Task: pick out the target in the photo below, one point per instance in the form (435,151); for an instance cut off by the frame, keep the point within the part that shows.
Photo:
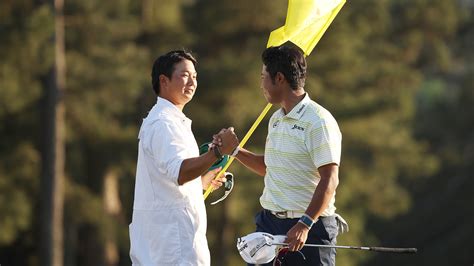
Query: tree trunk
(53,150)
(112,207)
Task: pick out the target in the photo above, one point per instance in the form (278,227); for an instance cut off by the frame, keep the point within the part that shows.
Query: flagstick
(241,145)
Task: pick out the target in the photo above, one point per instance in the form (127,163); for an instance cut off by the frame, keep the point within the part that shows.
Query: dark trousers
(323,232)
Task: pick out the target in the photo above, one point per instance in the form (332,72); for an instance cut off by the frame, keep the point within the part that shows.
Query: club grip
(394,250)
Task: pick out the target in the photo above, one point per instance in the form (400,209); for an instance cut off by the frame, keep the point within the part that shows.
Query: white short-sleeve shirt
(169,221)
(298,143)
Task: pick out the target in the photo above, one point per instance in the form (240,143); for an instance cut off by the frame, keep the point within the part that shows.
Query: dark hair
(165,65)
(287,60)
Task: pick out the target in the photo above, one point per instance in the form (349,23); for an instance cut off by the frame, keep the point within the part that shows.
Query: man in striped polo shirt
(300,164)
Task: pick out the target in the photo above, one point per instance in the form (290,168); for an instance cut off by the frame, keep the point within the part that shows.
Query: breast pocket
(164,244)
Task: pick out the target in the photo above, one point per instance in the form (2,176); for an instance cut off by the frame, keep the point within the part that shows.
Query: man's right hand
(254,162)
(226,140)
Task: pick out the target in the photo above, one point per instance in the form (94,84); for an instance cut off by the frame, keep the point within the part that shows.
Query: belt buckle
(282,214)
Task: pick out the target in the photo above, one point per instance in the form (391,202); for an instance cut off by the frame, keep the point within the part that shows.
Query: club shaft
(378,249)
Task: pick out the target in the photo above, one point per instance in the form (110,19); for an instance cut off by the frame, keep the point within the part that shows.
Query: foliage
(397,75)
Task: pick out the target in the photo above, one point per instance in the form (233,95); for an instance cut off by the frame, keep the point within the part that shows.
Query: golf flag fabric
(306,22)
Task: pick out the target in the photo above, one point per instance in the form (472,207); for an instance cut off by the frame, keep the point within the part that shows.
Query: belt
(341,223)
(287,214)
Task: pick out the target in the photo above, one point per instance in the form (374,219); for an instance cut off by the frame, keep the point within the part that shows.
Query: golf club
(377,249)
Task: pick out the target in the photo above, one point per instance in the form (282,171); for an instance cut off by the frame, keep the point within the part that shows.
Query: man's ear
(279,78)
(164,80)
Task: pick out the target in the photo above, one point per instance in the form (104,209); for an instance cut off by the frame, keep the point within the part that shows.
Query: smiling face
(180,88)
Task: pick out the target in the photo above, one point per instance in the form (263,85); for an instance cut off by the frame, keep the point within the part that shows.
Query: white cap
(257,248)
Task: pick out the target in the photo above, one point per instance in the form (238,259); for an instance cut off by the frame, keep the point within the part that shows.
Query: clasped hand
(226,140)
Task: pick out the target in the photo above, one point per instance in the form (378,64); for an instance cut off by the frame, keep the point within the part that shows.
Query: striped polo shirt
(297,144)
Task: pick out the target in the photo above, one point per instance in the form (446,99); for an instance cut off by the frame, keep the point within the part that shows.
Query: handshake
(225,143)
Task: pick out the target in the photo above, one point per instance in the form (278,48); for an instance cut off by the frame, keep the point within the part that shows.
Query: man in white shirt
(169,216)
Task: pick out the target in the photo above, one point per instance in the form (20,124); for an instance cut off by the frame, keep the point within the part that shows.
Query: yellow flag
(306,22)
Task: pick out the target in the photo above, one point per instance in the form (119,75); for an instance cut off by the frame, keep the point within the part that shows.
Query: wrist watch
(306,220)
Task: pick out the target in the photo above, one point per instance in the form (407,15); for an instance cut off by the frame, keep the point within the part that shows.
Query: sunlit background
(398,76)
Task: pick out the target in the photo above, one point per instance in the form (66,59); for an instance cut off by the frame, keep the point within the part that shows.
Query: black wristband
(217,152)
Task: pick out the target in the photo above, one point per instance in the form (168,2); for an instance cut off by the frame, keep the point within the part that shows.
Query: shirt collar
(167,106)
(298,109)
(163,106)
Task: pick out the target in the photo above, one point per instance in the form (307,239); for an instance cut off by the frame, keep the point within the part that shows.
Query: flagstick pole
(241,145)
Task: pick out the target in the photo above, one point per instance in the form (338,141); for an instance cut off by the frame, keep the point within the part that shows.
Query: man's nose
(192,82)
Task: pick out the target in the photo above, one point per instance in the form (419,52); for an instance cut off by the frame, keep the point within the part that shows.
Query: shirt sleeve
(324,143)
(168,149)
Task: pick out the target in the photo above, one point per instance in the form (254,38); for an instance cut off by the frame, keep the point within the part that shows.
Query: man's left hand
(296,237)
(208,179)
